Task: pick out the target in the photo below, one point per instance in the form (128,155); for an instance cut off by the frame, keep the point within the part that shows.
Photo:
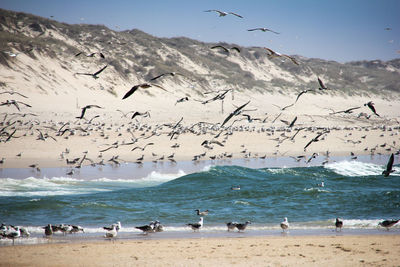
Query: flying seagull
(389,167)
(315,139)
(142,85)
(90,54)
(94,75)
(15,103)
(263,29)
(235,113)
(226,49)
(85,108)
(223,13)
(322,85)
(164,74)
(370,104)
(348,111)
(12,92)
(272,53)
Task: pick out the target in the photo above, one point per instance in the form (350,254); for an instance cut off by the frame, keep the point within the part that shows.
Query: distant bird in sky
(371,106)
(94,75)
(142,85)
(85,108)
(235,113)
(389,167)
(272,53)
(223,13)
(263,29)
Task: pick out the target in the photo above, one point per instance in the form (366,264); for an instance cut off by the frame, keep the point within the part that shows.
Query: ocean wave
(358,168)
(33,187)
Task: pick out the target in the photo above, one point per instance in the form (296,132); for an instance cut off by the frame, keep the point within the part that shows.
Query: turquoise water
(354,191)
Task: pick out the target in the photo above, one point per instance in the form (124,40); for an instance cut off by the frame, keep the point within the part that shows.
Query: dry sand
(365,250)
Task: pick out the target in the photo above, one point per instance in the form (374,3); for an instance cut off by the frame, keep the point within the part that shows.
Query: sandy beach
(365,250)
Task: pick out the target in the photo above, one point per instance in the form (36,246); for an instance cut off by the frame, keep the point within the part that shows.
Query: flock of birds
(13,232)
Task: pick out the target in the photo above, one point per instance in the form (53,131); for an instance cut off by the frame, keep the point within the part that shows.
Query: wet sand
(370,250)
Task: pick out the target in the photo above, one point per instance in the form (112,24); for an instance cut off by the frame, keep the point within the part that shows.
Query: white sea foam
(358,168)
(32,187)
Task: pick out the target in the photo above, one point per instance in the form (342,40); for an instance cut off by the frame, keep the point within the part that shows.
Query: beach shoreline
(354,250)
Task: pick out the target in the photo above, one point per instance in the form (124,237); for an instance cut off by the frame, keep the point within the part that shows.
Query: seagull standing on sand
(112,233)
(285,225)
(117,226)
(196,226)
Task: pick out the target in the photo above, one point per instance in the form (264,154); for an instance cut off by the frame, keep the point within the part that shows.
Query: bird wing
(228,118)
(220,46)
(82,113)
(131,91)
(255,29)
(292,123)
(237,15)
(159,76)
(93,106)
(321,84)
(390,164)
(78,54)
(159,86)
(235,48)
(291,58)
(99,71)
(273,53)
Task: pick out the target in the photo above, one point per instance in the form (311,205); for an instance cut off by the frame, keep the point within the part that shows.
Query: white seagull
(285,224)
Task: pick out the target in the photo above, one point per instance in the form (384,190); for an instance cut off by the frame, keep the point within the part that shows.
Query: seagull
(13,92)
(15,103)
(348,111)
(226,49)
(338,224)
(144,114)
(94,75)
(370,104)
(113,232)
(142,85)
(117,226)
(149,228)
(201,213)
(234,113)
(231,226)
(263,29)
(85,108)
(242,226)
(48,230)
(322,85)
(315,139)
(388,223)
(164,74)
(285,224)
(389,166)
(196,226)
(276,54)
(223,13)
(90,54)
(183,99)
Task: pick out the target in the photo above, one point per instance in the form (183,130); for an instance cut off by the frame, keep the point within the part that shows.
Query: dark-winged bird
(235,113)
(338,224)
(322,85)
(85,108)
(263,29)
(370,104)
(388,223)
(142,85)
(389,166)
(94,75)
(223,13)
